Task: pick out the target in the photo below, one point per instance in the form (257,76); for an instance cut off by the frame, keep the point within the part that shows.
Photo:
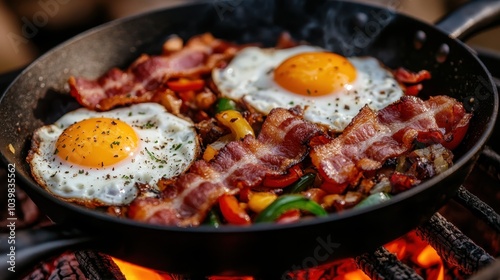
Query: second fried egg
(329,87)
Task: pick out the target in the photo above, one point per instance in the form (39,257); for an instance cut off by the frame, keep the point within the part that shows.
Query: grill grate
(98,266)
(382,264)
(478,208)
(454,246)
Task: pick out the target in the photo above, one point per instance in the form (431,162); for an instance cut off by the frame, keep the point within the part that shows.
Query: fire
(356,275)
(135,272)
(419,255)
(409,249)
(428,257)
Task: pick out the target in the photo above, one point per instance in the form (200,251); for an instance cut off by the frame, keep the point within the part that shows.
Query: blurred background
(28,28)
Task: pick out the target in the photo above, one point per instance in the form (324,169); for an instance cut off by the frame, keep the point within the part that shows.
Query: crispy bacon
(411,80)
(405,76)
(281,144)
(148,75)
(372,137)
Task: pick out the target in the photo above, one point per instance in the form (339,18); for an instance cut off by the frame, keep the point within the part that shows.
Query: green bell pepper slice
(289,202)
(373,199)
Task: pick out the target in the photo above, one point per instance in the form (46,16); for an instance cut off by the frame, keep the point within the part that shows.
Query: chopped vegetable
(289,202)
(458,134)
(303,183)
(281,181)
(173,44)
(224,104)
(187,96)
(373,199)
(289,216)
(413,90)
(401,182)
(186,84)
(260,200)
(213,149)
(213,219)
(232,211)
(383,186)
(210,153)
(236,123)
(205,99)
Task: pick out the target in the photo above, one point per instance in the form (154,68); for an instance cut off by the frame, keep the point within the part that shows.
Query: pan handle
(470,18)
(21,251)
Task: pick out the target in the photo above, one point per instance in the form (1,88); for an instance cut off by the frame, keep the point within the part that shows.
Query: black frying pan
(39,96)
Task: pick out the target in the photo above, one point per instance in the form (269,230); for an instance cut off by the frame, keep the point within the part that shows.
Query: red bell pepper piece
(406,76)
(289,216)
(458,134)
(333,188)
(281,181)
(185,85)
(413,90)
(187,96)
(232,211)
(245,194)
(402,182)
(456,124)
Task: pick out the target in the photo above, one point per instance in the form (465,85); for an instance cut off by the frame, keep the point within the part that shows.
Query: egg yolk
(315,73)
(97,142)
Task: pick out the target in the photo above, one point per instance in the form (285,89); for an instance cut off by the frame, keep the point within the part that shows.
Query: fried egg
(329,87)
(96,158)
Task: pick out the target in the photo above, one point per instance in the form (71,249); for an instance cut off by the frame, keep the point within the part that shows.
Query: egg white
(168,145)
(250,77)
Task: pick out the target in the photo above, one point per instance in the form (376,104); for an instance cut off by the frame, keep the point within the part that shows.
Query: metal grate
(454,246)
(382,264)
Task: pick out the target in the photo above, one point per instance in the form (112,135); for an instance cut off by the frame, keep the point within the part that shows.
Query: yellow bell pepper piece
(213,149)
(210,153)
(236,123)
(260,200)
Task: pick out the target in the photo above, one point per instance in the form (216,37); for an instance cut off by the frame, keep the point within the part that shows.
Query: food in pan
(280,139)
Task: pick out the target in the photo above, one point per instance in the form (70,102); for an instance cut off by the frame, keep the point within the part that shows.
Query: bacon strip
(405,76)
(411,81)
(148,74)
(281,144)
(372,137)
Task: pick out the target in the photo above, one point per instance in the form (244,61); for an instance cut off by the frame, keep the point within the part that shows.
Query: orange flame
(428,257)
(135,272)
(357,274)
(413,250)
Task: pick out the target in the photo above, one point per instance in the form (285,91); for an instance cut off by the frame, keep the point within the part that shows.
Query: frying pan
(39,96)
